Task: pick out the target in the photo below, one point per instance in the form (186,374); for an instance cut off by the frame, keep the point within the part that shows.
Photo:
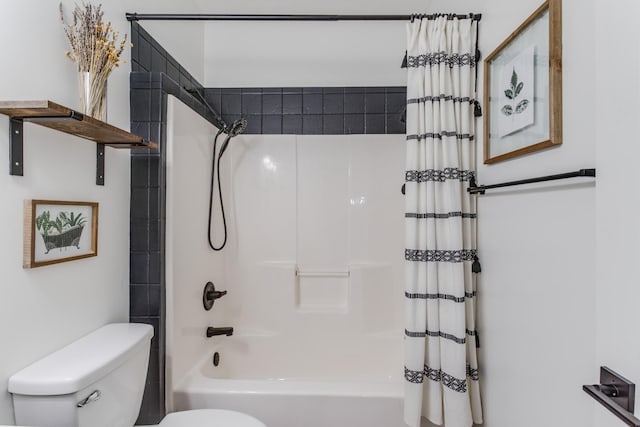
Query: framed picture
(523,88)
(57,231)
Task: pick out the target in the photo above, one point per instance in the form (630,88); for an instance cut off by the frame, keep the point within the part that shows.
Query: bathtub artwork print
(59,231)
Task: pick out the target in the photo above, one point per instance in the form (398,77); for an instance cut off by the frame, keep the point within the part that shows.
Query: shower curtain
(441,368)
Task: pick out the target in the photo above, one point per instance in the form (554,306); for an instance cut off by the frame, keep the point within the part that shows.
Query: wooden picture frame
(59,231)
(523,88)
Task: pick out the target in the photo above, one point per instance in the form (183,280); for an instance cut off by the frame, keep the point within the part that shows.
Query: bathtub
(311,388)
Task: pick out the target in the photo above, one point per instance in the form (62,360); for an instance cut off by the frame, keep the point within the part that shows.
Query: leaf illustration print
(511,94)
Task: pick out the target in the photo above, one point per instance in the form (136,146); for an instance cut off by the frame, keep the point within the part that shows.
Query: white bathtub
(328,389)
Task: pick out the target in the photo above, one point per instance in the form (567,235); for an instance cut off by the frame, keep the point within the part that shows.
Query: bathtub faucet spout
(211,331)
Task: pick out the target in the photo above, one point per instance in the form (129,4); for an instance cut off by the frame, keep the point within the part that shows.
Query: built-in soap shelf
(63,119)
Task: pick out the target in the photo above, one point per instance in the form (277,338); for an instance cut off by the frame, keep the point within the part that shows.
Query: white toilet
(98,381)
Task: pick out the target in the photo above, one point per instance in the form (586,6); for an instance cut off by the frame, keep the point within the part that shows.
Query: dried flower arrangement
(96,50)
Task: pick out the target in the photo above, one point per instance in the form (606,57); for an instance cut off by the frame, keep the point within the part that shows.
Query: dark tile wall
(155,74)
(313,110)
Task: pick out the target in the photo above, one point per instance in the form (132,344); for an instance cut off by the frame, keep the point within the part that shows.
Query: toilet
(98,381)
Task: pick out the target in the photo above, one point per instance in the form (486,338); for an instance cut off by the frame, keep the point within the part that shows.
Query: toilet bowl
(98,381)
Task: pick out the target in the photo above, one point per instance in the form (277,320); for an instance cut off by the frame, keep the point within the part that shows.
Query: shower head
(235,129)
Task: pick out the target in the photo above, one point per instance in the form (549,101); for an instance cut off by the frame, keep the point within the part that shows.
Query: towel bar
(615,393)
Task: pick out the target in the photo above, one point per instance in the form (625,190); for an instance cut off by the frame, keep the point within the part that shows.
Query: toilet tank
(96,381)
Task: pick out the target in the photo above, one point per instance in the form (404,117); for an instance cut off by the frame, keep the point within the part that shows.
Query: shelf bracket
(16,151)
(99,164)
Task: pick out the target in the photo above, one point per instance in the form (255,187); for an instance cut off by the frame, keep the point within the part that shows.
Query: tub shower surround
(312,294)
(277,111)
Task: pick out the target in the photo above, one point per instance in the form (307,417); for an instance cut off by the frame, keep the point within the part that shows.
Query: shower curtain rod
(233,17)
(480,189)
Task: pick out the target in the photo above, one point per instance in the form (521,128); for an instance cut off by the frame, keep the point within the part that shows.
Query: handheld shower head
(235,129)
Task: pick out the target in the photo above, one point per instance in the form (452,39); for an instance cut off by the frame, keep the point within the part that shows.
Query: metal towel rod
(616,393)
(480,189)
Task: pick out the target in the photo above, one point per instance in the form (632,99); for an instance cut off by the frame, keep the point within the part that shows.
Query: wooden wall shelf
(63,119)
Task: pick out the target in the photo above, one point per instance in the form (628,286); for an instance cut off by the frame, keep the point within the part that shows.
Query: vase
(93,94)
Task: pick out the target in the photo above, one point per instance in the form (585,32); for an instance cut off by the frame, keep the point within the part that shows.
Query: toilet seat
(209,418)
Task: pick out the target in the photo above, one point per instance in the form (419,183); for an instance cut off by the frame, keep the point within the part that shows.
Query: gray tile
(155,132)
(292,103)
(394,124)
(374,103)
(139,171)
(158,61)
(312,124)
(214,98)
(139,235)
(292,124)
(173,70)
(231,103)
(155,272)
(353,124)
(140,105)
(154,203)
(144,53)
(155,299)
(272,124)
(251,103)
(374,123)
(272,103)
(333,124)
(138,300)
(154,171)
(139,203)
(254,124)
(142,130)
(312,103)
(156,105)
(154,235)
(139,267)
(354,103)
(396,103)
(139,80)
(333,103)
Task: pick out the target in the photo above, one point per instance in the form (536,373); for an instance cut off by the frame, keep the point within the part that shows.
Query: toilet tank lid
(82,362)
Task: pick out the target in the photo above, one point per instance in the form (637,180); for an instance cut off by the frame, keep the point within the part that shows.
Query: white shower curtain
(441,368)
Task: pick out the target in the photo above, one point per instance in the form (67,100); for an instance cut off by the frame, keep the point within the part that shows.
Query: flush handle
(95,395)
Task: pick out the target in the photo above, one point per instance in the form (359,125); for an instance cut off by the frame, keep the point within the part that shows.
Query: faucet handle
(216,294)
(209,295)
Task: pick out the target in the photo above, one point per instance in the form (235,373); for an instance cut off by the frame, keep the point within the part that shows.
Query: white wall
(346,53)
(537,247)
(618,233)
(184,40)
(43,309)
